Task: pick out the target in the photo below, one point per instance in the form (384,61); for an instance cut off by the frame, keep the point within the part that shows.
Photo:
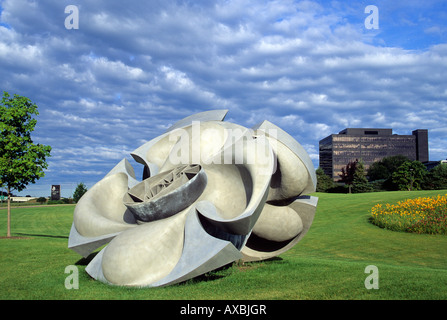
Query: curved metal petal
(259,248)
(99,215)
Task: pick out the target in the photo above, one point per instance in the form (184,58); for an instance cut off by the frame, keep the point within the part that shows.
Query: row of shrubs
(43,200)
(389,174)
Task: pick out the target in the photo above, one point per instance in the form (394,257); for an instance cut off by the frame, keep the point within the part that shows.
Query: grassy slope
(328,263)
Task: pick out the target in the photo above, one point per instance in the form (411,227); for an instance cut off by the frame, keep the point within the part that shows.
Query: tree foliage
(79,192)
(41,200)
(324,182)
(409,175)
(347,173)
(21,161)
(383,170)
(436,179)
(354,176)
(360,182)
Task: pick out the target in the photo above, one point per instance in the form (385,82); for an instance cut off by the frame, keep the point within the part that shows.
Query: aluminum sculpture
(212,192)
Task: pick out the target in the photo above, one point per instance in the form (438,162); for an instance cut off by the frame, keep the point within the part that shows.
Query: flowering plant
(420,215)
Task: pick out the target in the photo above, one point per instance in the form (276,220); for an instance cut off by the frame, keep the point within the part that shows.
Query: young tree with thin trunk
(21,161)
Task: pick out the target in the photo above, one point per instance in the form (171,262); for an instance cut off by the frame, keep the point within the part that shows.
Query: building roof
(367,131)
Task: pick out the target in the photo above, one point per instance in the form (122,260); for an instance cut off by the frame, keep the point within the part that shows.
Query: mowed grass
(328,264)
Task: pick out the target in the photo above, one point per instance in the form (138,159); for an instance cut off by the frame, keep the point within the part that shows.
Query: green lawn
(329,263)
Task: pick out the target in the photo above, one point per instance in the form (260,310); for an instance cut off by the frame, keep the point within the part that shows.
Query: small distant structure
(22,199)
(55,192)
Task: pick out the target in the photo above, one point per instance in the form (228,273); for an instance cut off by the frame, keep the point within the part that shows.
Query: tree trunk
(8,234)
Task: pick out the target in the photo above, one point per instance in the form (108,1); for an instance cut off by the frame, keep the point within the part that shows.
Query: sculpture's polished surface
(212,192)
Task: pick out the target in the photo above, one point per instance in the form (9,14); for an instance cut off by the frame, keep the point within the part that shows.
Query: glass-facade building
(369,145)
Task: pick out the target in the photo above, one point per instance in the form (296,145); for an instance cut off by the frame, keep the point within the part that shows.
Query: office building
(369,145)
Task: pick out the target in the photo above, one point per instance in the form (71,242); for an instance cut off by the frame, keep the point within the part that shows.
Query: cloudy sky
(133,68)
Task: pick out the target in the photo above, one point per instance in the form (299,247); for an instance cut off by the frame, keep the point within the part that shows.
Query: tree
(360,182)
(439,174)
(409,175)
(437,177)
(383,170)
(347,173)
(41,200)
(324,182)
(21,161)
(79,192)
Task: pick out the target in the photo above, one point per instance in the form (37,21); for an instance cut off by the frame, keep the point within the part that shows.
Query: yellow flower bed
(420,215)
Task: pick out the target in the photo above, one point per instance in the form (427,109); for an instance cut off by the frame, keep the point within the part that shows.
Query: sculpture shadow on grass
(42,235)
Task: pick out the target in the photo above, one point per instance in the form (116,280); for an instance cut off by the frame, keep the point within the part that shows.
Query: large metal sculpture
(213,192)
